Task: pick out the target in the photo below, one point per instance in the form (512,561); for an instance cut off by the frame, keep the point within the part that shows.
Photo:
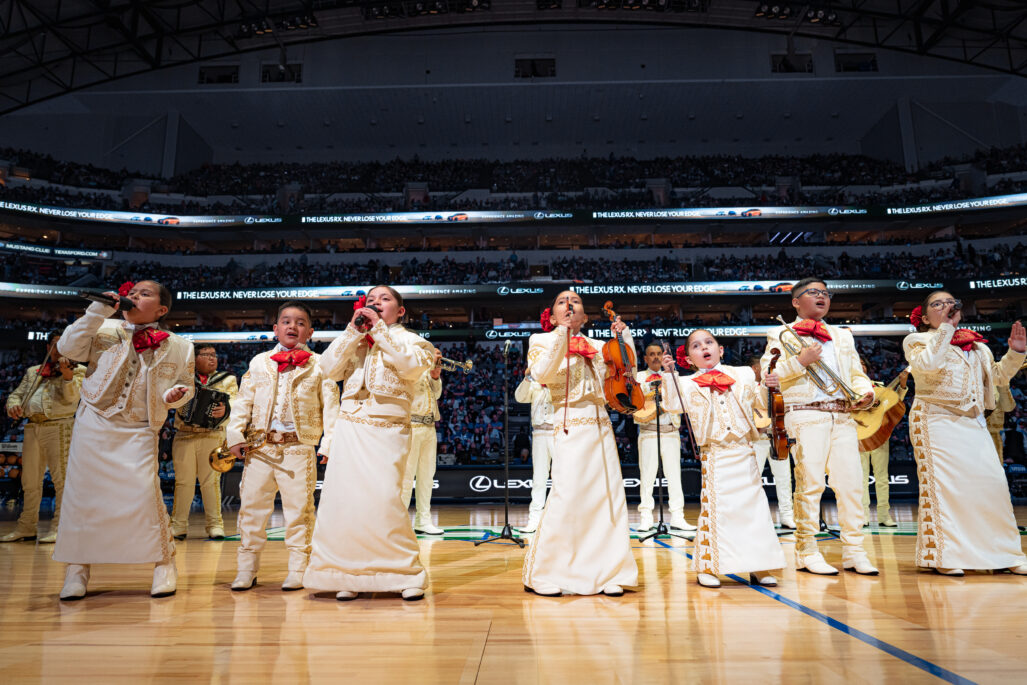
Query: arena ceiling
(52,47)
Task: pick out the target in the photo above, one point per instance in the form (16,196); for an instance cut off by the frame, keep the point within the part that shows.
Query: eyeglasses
(938,304)
(207,354)
(817,292)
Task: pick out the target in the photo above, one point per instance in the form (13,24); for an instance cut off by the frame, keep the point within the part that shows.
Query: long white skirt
(965,515)
(736,533)
(582,543)
(113,511)
(363,541)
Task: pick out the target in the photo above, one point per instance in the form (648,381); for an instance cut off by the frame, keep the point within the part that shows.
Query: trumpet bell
(221,459)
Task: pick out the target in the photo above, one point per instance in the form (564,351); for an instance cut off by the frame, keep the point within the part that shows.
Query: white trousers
(541,460)
(190,453)
(260,482)
(420,461)
(45,447)
(826,445)
(782,472)
(879,460)
(669,444)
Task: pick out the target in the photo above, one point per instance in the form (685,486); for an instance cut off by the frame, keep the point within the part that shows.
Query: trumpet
(222,459)
(820,374)
(452,365)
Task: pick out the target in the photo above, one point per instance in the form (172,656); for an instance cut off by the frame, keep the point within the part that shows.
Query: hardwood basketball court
(477,625)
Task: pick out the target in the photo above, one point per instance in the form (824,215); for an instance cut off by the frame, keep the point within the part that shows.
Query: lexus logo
(248,220)
(503,290)
(481,484)
(833,211)
(491,334)
(902,285)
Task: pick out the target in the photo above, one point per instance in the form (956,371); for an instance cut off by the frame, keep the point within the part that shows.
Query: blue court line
(911,659)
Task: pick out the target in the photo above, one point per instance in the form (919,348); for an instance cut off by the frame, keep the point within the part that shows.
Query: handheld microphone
(125,303)
(361,320)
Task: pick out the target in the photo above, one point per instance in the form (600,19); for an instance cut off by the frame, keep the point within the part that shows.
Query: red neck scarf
(715,380)
(287,358)
(369,340)
(816,329)
(148,339)
(964,338)
(580,346)
(203,378)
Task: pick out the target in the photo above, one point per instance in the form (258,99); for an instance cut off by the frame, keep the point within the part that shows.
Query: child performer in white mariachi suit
(781,469)
(50,410)
(820,422)
(113,510)
(530,391)
(284,396)
(582,544)
(966,519)
(652,443)
(363,541)
(422,460)
(736,533)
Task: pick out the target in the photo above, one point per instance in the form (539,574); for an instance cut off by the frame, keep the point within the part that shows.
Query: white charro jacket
(427,391)
(113,365)
(530,391)
(381,378)
(946,375)
(547,363)
(796,387)
(58,397)
(668,416)
(314,399)
(709,410)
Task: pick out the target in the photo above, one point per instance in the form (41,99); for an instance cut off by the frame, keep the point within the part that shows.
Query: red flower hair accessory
(681,356)
(360,303)
(547,325)
(916,317)
(125,288)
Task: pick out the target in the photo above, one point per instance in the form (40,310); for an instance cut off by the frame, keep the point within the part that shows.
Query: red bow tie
(817,329)
(717,380)
(203,379)
(582,347)
(148,339)
(49,370)
(287,358)
(965,338)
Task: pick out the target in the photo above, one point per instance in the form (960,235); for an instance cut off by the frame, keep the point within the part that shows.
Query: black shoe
(180,537)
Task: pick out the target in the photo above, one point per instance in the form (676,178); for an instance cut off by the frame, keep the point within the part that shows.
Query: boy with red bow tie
(113,511)
(47,396)
(736,533)
(286,398)
(821,424)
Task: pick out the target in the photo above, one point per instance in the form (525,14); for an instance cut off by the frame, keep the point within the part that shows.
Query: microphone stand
(507,533)
(661,529)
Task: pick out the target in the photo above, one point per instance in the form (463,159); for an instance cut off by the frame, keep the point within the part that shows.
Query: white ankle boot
(75,579)
(708,580)
(165,579)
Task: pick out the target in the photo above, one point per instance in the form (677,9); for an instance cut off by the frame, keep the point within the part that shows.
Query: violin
(776,408)
(623,391)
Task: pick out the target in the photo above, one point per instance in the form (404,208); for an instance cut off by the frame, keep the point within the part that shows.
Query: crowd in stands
(577,183)
(960,261)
